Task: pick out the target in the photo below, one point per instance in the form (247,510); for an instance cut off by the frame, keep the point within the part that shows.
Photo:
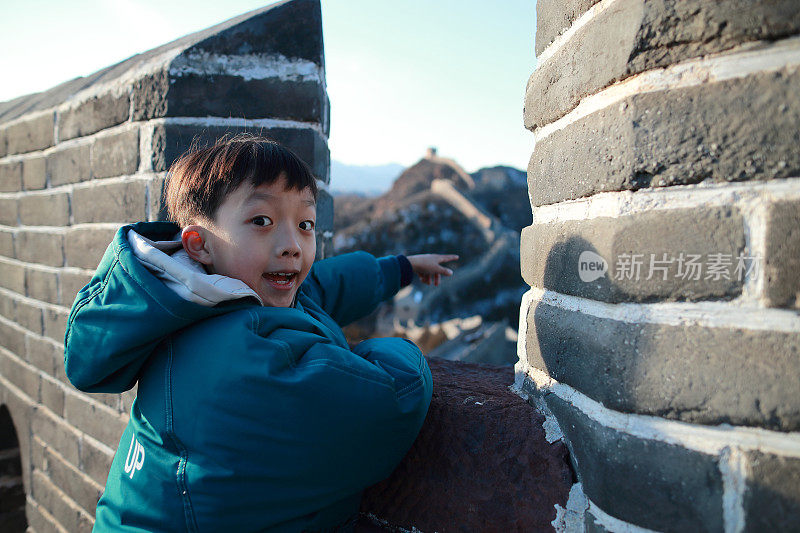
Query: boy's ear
(194,242)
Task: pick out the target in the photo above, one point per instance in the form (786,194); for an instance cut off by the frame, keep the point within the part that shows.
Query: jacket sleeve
(351,286)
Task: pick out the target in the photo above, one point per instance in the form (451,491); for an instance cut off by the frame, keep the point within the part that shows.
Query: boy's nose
(289,245)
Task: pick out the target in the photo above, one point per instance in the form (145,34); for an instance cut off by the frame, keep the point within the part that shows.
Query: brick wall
(78,161)
(662,328)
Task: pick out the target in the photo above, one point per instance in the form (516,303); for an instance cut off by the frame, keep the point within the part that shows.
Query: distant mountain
(370,180)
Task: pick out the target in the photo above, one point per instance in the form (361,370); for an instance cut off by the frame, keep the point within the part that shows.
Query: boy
(252,413)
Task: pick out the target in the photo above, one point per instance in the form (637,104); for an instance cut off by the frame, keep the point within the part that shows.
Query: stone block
(42,285)
(56,433)
(71,284)
(553,17)
(149,95)
(51,394)
(29,317)
(8,307)
(772,493)
(709,133)
(307,143)
(637,35)
(93,419)
(34,173)
(43,355)
(80,488)
(782,261)
(93,115)
(157,208)
(47,209)
(95,462)
(219,95)
(9,211)
(55,324)
(10,176)
(7,243)
(12,277)
(12,339)
(84,247)
(652,484)
(697,374)
(70,165)
(116,155)
(23,376)
(39,520)
(649,256)
(32,134)
(110,202)
(40,247)
(58,504)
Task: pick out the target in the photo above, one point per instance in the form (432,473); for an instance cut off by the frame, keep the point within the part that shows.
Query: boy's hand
(428,267)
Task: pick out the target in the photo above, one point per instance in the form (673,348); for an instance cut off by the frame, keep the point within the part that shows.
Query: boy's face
(265,237)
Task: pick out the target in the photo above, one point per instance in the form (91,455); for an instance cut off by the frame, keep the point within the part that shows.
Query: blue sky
(401,76)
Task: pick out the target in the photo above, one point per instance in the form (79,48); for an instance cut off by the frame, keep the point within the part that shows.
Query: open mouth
(281,280)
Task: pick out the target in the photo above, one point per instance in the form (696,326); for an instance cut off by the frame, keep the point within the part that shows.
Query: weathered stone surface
(158,209)
(637,35)
(648,255)
(42,285)
(17,372)
(31,134)
(9,211)
(70,165)
(43,354)
(13,339)
(772,493)
(12,277)
(308,144)
(93,115)
(47,209)
(715,132)
(84,247)
(65,512)
(642,481)
(42,248)
(149,95)
(7,243)
(65,476)
(698,374)
(116,155)
(782,261)
(592,525)
(29,317)
(233,96)
(553,17)
(71,284)
(95,462)
(55,324)
(10,176)
(480,463)
(89,417)
(110,202)
(51,394)
(34,173)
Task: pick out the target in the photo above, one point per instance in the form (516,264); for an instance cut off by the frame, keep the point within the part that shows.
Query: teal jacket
(247,418)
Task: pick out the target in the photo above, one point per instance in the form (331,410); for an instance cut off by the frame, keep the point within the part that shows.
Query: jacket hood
(144,289)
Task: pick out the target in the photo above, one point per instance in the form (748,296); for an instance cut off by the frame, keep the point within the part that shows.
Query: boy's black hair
(200,180)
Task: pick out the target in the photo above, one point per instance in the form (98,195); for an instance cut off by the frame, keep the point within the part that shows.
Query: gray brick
(71,284)
(3,142)
(551,254)
(95,462)
(44,209)
(158,209)
(9,210)
(116,155)
(55,324)
(12,277)
(8,307)
(43,354)
(51,395)
(738,376)
(772,493)
(21,375)
(712,133)
(110,202)
(12,339)
(32,134)
(195,95)
(64,511)
(782,261)
(70,165)
(57,434)
(309,145)
(7,243)
(29,317)
(80,488)
(553,17)
(149,96)
(10,176)
(93,115)
(39,520)
(42,248)
(637,35)
(34,173)
(90,418)
(84,247)
(649,483)
(42,285)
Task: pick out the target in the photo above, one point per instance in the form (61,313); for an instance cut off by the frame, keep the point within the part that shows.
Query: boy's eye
(307,225)
(261,220)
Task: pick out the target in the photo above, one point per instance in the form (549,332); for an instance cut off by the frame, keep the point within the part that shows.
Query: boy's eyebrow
(266,196)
